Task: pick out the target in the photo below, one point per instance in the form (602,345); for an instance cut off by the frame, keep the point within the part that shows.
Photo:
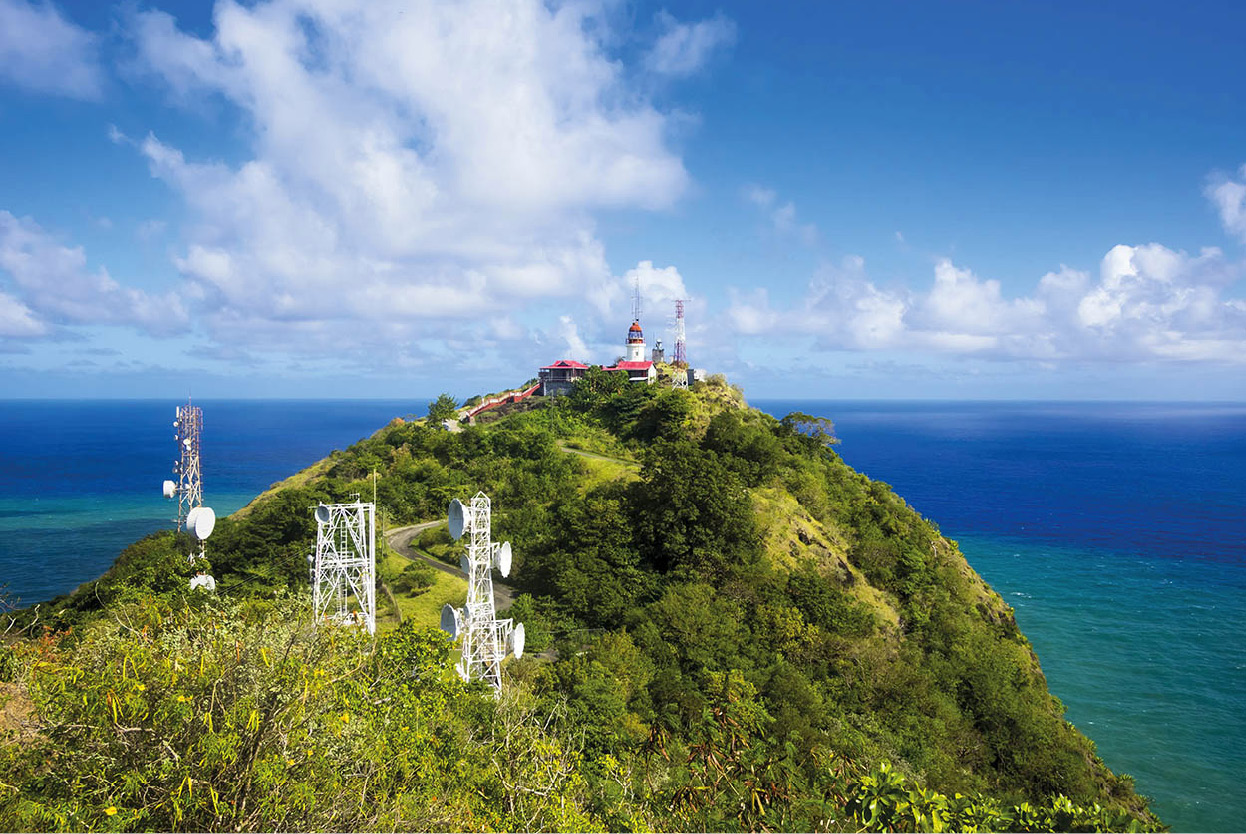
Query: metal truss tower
(189,487)
(680,361)
(486,639)
(345,564)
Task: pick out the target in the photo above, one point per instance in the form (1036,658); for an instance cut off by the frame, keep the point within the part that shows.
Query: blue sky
(318,198)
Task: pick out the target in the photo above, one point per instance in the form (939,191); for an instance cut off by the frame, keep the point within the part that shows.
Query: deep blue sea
(1117,531)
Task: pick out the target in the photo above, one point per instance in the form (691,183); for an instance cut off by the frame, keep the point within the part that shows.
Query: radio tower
(486,639)
(189,486)
(681,347)
(345,563)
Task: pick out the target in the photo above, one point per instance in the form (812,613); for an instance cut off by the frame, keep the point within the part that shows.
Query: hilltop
(737,631)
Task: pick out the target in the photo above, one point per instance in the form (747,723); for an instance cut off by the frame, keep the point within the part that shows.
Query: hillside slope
(748,635)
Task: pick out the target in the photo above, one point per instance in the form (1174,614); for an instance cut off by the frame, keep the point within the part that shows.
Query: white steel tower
(486,639)
(187,425)
(345,564)
(680,379)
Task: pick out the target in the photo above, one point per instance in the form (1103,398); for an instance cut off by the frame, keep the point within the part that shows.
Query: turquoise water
(1146,653)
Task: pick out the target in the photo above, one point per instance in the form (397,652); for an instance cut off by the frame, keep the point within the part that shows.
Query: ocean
(1116,530)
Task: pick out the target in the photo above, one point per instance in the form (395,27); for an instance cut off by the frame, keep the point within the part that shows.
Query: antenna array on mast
(680,361)
(187,428)
(636,298)
(188,488)
(486,639)
(344,565)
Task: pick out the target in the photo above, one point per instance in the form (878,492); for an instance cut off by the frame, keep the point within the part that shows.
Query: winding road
(400,539)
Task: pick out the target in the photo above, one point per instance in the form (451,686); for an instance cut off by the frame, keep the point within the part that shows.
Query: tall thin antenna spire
(636,298)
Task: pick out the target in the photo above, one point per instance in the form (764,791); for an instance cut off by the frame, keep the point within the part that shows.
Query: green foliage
(443,408)
(414,577)
(690,678)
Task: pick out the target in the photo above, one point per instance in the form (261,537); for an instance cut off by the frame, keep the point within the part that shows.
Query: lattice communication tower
(344,565)
(486,639)
(187,428)
(680,362)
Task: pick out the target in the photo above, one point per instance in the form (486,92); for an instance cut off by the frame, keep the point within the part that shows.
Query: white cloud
(1229,197)
(17,320)
(43,52)
(54,287)
(684,48)
(411,165)
(570,333)
(781,215)
(1149,303)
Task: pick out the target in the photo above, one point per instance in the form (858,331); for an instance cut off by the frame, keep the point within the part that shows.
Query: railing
(493,402)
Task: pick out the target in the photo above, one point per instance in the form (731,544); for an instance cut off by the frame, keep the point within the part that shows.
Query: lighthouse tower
(635,336)
(635,343)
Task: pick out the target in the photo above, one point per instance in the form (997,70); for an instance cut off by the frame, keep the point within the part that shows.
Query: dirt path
(400,539)
(595,456)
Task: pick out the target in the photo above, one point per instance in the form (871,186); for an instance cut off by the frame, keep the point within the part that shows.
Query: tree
(443,408)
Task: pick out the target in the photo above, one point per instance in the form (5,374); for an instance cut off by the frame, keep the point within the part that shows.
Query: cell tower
(486,639)
(681,347)
(344,565)
(187,427)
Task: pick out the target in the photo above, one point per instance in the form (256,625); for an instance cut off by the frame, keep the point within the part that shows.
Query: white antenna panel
(458,520)
(518,638)
(170,489)
(204,523)
(504,559)
(451,620)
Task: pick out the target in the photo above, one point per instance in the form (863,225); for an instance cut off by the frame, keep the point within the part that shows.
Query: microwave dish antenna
(518,638)
(169,489)
(205,523)
(486,640)
(344,565)
(503,560)
(457,519)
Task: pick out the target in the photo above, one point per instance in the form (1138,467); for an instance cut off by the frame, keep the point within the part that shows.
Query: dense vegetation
(744,634)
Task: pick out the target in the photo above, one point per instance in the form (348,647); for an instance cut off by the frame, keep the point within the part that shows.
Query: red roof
(566,363)
(631,366)
(635,327)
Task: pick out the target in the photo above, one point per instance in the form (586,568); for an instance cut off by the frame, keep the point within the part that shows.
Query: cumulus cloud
(684,48)
(54,287)
(781,215)
(1229,197)
(42,52)
(410,166)
(1148,302)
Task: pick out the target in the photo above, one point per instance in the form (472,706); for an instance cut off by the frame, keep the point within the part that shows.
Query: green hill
(737,632)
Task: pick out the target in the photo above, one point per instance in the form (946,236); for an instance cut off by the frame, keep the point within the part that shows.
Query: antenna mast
(636,298)
(681,347)
(345,564)
(486,639)
(188,426)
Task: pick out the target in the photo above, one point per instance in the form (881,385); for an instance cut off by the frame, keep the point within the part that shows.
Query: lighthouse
(635,343)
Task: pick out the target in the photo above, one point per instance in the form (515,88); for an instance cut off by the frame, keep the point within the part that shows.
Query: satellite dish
(450,620)
(190,517)
(322,514)
(170,489)
(465,565)
(205,522)
(458,519)
(186,443)
(518,638)
(504,558)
